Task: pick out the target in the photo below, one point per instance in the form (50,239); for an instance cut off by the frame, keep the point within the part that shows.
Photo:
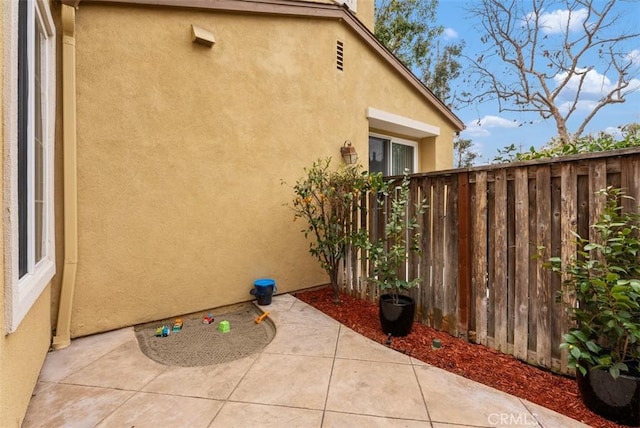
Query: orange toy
(261,317)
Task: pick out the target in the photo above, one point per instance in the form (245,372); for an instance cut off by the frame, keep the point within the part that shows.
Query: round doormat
(202,344)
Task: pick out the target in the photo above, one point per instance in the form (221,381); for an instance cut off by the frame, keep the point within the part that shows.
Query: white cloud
(595,85)
(450,33)
(634,85)
(475,131)
(634,56)
(557,21)
(480,127)
(613,131)
(496,122)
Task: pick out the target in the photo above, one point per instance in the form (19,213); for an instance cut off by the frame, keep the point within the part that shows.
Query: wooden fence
(485,236)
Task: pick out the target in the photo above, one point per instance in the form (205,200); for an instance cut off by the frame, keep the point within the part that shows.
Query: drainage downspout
(62,339)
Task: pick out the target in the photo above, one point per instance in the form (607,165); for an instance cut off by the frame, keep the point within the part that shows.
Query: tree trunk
(334,284)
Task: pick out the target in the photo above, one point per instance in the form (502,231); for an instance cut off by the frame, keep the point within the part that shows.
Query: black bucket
(264,289)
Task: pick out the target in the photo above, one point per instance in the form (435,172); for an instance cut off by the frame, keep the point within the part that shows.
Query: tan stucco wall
(21,353)
(182,150)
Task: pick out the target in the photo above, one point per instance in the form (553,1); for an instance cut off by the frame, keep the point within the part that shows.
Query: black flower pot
(615,399)
(397,318)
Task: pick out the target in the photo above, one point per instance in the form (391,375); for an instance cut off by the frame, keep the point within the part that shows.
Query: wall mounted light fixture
(348,152)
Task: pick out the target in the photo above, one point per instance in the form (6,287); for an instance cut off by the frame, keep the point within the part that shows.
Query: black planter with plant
(396,314)
(388,256)
(604,344)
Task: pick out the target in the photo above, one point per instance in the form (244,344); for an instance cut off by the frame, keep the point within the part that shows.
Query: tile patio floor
(315,373)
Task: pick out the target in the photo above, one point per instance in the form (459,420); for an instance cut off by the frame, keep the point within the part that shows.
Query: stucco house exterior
(145,147)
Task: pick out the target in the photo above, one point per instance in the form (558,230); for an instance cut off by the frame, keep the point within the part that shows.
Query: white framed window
(28,162)
(392,155)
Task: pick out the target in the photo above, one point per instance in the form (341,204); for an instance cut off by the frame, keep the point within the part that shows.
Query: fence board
(544,298)
(499,255)
(438,250)
(522,260)
(451,258)
(597,181)
(464,255)
(426,294)
(479,266)
(569,220)
(555,306)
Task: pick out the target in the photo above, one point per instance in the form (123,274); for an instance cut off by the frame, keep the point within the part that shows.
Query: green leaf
(593,347)
(575,351)
(581,336)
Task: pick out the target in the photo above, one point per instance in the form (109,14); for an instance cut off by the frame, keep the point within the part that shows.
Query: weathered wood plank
(479,265)
(511,260)
(533,268)
(413,262)
(630,182)
(451,258)
(597,182)
(521,304)
(543,239)
(438,250)
(499,258)
(569,224)
(464,255)
(555,306)
(426,295)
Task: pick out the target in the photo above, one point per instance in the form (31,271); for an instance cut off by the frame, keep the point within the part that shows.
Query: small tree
(389,253)
(326,200)
(604,279)
(406,28)
(464,153)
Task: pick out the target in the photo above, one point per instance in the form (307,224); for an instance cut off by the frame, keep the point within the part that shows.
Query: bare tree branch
(535,63)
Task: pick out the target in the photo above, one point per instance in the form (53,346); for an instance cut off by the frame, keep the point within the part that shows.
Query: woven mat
(200,344)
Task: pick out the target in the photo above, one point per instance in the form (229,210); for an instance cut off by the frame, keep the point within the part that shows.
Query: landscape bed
(473,361)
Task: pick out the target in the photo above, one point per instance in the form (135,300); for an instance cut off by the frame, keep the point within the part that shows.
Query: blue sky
(491,129)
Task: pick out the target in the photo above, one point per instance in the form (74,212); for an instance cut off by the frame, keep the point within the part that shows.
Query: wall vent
(340,55)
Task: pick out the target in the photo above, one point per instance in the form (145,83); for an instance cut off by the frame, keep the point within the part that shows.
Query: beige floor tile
(304,314)
(82,352)
(243,415)
(126,367)
(286,380)
(215,381)
(341,420)
(457,400)
(281,302)
(377,389)
(354,346)
(302,339)
(156,410)
(59,405)
(549,418)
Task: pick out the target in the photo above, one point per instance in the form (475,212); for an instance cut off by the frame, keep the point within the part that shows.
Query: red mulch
(476,362)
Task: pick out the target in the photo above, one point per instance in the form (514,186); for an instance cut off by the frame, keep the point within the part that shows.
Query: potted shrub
(604,344)
(388,256)
(326,199)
